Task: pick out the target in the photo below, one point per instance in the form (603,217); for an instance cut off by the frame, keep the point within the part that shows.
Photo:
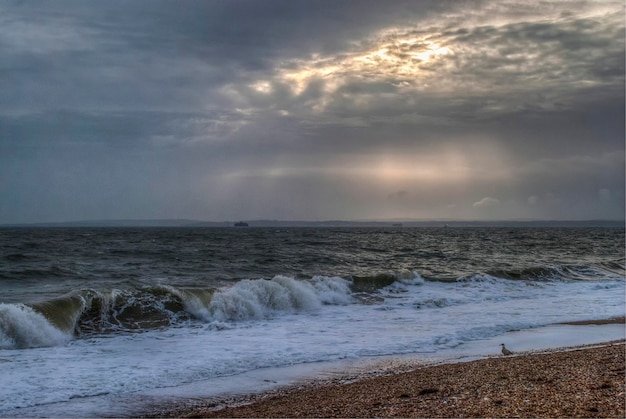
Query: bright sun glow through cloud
(400,61)
(433,60)
(288,109)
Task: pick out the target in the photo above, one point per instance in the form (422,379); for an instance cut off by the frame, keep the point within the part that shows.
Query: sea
(89,316)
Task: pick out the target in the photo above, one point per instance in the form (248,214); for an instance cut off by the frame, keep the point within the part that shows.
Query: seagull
(505,351)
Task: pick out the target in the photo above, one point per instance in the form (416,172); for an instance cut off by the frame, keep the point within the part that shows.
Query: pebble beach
(585,381)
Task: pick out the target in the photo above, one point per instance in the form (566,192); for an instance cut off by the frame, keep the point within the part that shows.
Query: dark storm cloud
(495,80)
(163,49)
(286,109)
(485,72)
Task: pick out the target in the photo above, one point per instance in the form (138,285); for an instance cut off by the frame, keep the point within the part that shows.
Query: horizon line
(181,222)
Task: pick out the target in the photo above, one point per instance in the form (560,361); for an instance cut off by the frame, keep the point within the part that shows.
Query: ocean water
(87,312)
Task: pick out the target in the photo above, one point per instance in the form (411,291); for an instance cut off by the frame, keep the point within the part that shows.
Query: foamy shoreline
(325,393)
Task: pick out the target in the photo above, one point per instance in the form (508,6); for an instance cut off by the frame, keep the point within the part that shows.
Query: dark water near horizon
(156,266)
(62,258)
(114,310)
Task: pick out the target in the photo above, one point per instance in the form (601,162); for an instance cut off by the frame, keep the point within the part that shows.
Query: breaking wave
(257,299)
(23,327)
(562,272)
(90,312)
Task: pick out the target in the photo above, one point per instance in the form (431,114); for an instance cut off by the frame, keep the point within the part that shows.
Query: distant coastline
(321,224)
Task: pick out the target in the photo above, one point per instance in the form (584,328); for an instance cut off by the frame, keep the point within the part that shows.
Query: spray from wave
(22,327)
(91,312)
(88,312)
(258,299)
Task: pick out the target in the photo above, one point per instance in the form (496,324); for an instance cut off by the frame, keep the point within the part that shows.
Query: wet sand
(614,320)
(586,381)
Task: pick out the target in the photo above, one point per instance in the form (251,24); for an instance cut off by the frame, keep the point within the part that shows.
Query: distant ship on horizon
(241,224)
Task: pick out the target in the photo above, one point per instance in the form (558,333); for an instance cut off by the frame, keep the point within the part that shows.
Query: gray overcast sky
(311,110)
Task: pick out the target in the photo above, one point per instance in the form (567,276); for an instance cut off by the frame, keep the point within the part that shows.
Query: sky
(311,110)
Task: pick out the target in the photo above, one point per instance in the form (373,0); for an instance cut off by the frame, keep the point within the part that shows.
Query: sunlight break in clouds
(298,110)
(398,61)
(504,50)
(472,63)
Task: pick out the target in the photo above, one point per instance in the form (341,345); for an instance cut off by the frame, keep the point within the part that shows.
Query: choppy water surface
(111,311)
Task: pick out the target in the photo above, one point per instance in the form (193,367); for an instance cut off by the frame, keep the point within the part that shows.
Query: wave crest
(260,298)
(22,327)
(88,312)
(562,272)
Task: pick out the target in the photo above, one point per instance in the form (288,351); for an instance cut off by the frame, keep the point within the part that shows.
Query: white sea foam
(259,299)
(23,327)
(410,277)
(332,290)
(284,321)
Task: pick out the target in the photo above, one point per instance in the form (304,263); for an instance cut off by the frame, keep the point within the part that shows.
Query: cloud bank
(294,110)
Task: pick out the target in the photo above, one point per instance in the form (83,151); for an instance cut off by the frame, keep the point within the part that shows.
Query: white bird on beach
(505,351)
